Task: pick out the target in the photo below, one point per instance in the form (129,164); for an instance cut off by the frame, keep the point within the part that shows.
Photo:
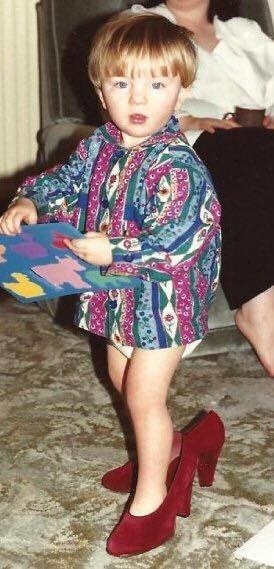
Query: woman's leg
(148,378)
(255,319)
(242,167)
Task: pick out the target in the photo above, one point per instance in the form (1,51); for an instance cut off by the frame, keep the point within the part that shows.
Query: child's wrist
(21,199)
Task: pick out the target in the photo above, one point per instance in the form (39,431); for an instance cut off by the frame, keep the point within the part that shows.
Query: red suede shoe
(137,534)
(123,479)
(205,439)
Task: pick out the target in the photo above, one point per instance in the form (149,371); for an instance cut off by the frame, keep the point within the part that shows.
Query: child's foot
(147,505)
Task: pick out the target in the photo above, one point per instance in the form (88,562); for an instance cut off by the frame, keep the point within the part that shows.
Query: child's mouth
(137,118)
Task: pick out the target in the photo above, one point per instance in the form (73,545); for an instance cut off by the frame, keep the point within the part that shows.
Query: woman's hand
(93,248)
(23,210)
(206,123)
(269,122)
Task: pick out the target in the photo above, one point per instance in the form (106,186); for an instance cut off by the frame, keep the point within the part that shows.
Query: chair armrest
(58,140)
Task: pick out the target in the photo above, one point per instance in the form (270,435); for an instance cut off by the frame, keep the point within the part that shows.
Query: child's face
(140,105)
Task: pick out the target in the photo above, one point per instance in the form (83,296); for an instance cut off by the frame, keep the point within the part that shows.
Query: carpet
(61,430)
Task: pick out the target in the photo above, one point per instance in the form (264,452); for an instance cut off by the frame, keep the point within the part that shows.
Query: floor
(61,430)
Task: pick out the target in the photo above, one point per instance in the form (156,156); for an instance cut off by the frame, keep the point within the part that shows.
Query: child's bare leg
(148,378)
(117,367)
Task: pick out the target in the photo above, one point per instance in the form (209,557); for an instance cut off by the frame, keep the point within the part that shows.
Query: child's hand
(93,248)
(11,221)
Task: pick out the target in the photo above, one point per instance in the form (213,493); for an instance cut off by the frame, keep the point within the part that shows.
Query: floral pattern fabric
(157,205)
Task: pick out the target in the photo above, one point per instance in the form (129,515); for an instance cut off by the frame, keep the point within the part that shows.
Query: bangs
(143,44)
(141,64)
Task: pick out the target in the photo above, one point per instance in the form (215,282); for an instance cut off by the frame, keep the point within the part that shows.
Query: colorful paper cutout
(36,265)
(58,240)
(29,247)
(63,271)
(24,286)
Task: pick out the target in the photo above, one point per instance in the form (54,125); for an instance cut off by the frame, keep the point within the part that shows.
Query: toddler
(146,205)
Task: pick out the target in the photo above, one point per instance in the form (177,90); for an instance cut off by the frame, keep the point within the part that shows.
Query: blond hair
(130,44)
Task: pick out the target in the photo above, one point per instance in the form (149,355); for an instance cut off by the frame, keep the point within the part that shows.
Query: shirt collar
(112,134)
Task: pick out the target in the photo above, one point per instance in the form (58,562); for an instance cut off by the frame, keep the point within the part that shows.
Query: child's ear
(183,95)
(101,97)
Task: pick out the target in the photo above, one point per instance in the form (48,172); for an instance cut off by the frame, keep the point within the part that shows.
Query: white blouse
(239,70)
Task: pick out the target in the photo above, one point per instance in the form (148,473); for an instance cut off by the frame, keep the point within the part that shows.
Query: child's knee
(143,404)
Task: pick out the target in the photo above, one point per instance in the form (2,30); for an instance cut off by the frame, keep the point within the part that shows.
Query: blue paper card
(36,265)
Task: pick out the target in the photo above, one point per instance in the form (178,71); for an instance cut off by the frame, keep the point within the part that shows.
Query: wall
(19,99)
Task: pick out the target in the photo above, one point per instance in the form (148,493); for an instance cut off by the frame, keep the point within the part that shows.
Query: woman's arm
(269,122)
(205,123)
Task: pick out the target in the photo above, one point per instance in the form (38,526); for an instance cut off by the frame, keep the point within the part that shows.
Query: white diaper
(127,350)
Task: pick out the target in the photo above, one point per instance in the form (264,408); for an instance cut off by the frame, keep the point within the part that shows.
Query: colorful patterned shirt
(157,205)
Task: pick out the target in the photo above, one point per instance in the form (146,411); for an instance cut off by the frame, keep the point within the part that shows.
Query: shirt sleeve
(160,9)
(55,192)
(248,55)
(183,214)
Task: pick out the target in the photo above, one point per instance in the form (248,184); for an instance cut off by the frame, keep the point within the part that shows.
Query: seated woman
(236,67)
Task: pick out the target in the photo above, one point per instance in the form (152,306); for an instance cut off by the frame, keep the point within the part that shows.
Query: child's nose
(138,95)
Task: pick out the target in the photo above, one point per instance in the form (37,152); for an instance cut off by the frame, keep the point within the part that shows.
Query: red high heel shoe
(205,439)
(123,479)
(137,534)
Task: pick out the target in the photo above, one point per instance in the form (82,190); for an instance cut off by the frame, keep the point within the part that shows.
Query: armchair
(69,108)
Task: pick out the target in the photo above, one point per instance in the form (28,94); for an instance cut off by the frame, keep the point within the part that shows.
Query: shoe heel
(186,485)
(207,463)
(184,503)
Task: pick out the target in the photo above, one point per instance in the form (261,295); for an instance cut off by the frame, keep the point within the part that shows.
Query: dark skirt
(241,162)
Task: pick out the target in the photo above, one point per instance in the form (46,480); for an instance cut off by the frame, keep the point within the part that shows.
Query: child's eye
(157,85)
(121,84)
